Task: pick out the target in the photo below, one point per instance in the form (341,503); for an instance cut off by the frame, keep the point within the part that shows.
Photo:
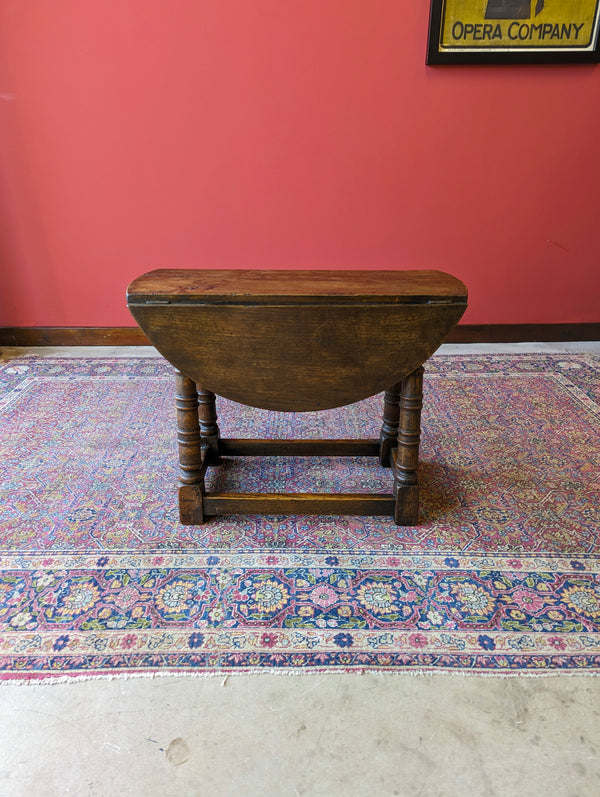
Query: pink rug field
(502,574)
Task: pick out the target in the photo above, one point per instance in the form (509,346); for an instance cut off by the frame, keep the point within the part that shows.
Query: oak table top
(296,340)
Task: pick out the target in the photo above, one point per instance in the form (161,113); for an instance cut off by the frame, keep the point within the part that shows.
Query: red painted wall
(284,133)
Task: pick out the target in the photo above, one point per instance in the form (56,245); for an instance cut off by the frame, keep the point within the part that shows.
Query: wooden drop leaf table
(297,341)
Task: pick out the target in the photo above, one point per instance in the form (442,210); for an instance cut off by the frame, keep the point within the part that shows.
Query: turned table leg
(191,465)
(406,486)
(388,438)
(209,428)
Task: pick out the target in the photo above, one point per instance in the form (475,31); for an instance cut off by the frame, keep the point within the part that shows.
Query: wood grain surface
(262,286)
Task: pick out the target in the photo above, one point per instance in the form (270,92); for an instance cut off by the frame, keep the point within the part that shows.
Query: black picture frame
(521,39)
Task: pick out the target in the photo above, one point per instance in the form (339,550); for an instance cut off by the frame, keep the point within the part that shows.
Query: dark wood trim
(72,336)
(133,336)
(523,333)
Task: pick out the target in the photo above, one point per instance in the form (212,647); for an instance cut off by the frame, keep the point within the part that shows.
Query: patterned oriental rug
(502,574)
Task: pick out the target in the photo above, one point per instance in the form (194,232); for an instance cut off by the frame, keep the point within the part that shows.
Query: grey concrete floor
(317,734)
(334,734)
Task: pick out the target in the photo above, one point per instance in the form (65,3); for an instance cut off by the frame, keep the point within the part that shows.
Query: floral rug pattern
(502,574)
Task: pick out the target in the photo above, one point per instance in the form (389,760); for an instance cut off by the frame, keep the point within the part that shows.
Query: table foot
(191,505)
(406,510)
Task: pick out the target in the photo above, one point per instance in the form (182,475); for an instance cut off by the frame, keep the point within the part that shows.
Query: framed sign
(513,31)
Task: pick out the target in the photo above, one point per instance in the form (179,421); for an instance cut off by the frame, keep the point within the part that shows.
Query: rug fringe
(50,680)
